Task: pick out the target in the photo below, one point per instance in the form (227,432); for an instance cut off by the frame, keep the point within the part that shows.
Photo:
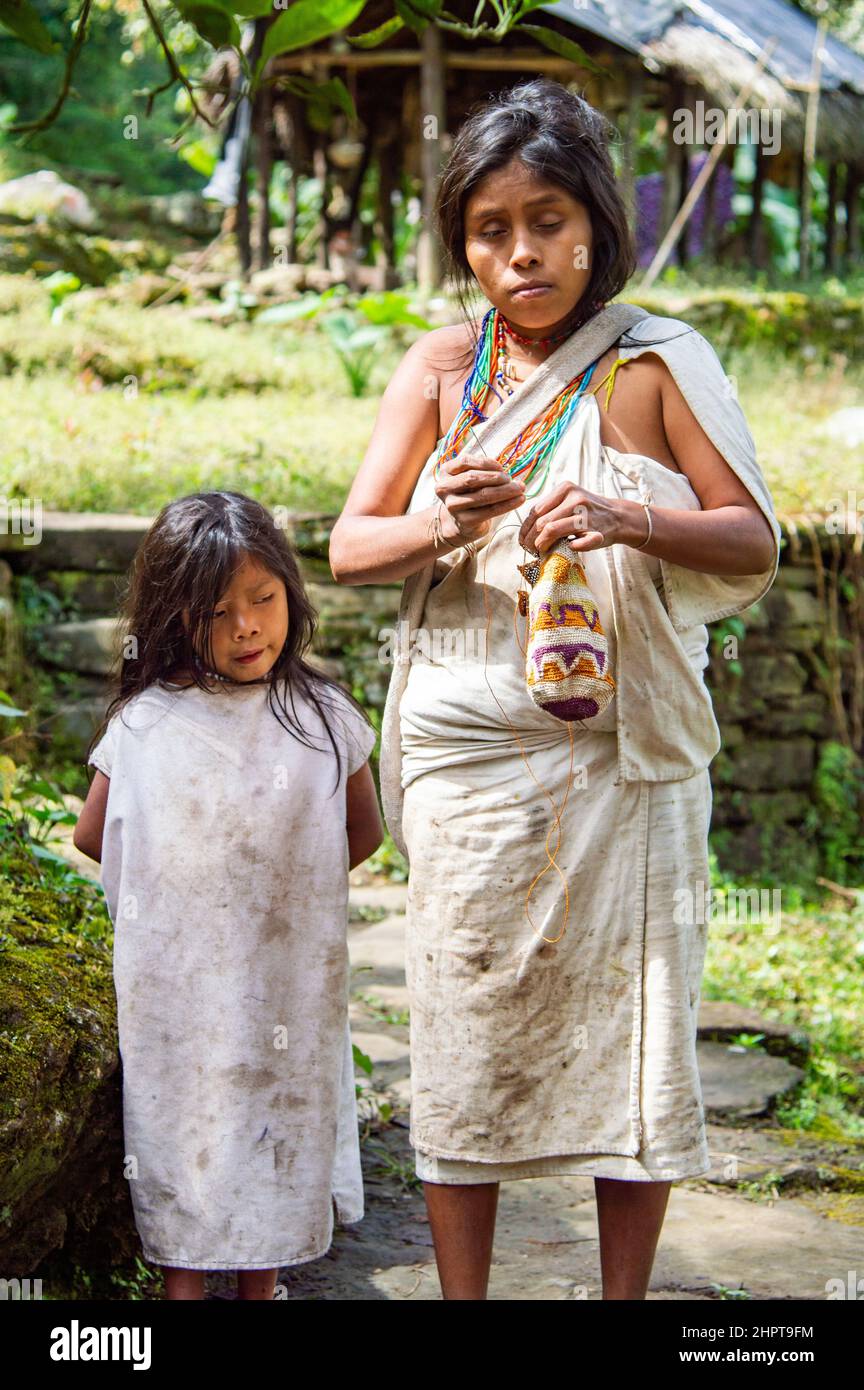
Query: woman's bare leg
(630,1217)
(256,1283)
(462,1221)
(183,1283)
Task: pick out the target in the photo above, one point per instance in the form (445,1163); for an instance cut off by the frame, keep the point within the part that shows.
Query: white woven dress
(532,1057)
(225,870)
(576,1054)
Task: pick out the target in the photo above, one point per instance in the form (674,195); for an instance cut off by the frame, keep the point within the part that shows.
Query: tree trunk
(433,107)
(264,153)
(854,178)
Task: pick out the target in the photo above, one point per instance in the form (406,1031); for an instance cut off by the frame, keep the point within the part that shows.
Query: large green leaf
(20,17)
(565,48)
(248,9)
(213,22)
(306,22)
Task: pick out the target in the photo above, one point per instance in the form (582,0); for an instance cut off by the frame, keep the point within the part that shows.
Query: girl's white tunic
(225,870)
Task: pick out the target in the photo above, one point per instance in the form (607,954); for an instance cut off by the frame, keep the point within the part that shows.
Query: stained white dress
(534,1057)
(575,1055)
(225,870)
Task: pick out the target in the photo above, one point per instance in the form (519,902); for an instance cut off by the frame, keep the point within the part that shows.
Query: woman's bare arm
(373,541)
(87,835)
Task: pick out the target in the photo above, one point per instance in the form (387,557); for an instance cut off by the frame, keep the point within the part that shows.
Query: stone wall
(787,676)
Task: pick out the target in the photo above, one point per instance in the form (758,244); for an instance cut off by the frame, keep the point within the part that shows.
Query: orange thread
(553,863)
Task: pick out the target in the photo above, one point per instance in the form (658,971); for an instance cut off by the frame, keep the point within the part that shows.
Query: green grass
(121,409)
(804,969)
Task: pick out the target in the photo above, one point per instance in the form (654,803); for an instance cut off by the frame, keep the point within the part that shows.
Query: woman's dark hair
(560,138)
(186,561)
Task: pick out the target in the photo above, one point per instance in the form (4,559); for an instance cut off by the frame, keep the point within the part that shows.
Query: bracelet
(642,544)
(438,536)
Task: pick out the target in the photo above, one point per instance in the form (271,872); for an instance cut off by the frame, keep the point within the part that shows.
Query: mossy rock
(61,1130)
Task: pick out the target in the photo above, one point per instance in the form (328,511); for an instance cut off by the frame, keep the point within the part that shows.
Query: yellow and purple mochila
(567,655)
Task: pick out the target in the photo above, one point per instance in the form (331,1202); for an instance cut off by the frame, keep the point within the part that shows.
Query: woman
(558,870)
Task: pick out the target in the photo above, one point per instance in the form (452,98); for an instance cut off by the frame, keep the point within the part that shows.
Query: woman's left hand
(596,521)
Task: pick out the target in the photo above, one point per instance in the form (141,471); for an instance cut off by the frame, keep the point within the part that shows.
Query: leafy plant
(837,815)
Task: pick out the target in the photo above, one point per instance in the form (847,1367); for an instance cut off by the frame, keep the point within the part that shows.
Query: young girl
(226,827)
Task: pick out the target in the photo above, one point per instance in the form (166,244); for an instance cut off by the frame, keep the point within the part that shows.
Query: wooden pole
(808,154)
(683,153)
(854,179)
(264,154)
(388,182)
(433,123)
(285,133)
(630,143)
(831,218)
(672,173)
(754,229)
(319,164)
(241,225)
(709,225)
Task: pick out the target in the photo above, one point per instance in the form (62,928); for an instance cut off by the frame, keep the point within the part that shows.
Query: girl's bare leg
(183,1283)
(256,1283)
(630,1217)
(462,1221)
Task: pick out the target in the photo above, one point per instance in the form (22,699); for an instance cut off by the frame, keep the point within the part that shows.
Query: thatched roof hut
(653,55)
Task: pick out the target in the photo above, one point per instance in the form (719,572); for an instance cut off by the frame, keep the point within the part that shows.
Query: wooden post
(264,155)
(630,143)
(808,153)
(433,125)
(831,218)
(672,173)
(755,226)
(319,165)
(244,241)
(388,182)
(285,133)
(709,226)
(854,179)
(683,176)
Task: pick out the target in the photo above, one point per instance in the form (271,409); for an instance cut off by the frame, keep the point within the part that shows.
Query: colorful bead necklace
(527,458)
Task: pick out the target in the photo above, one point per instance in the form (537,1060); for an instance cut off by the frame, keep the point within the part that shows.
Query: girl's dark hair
(187,560)
(560,138)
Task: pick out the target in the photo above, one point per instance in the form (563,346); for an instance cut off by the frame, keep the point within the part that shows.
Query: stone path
(798,1225)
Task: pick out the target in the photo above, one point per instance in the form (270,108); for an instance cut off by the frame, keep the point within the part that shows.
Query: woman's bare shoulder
(449,348)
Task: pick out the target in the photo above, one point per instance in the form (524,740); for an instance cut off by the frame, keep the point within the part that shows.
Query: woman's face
(520,228)
(251,617)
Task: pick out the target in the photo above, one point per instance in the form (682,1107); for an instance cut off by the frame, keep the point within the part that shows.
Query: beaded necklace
(527,458)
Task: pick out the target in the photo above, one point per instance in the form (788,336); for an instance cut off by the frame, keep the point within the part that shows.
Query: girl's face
(520,228)
(250,623)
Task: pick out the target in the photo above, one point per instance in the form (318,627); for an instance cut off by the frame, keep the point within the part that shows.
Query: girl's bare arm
(363,817)
(87,835)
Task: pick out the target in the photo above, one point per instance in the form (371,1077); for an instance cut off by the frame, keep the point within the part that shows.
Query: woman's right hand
(474,489)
